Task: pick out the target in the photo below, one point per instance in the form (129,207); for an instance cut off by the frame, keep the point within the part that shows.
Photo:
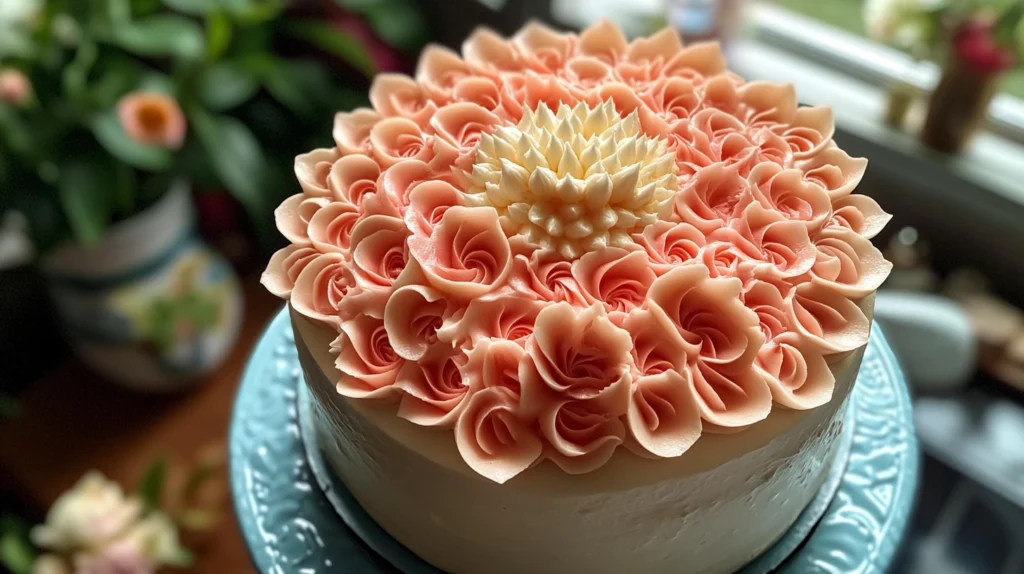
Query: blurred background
(144,145)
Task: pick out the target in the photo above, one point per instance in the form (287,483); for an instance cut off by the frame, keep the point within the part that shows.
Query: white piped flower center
(574,181)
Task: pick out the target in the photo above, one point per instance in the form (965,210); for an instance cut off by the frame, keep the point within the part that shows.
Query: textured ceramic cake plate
(296,517)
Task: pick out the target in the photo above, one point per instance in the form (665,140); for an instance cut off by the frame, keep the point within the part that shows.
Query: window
(847,15)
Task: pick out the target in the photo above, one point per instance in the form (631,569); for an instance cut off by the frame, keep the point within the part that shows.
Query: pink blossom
(15,87)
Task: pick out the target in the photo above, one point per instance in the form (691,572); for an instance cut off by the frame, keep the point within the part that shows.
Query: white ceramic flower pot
(150,306)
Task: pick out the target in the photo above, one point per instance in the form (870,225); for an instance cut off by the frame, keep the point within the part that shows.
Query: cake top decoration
(559,244)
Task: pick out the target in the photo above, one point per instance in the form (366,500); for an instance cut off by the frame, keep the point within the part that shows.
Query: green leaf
(254,41)
(162,35)
(226,85)
(218,35)
(145,7)
(83,187)
(398,22)
(182,558)
(117,78)
(108,131)
(157,82)
(46,223)
(259,12)
(9,407)
(16,553)
(302,86)
(75,73)
(1019,37)
(197,478)
(202,311)
(237,159)
(249,10)
(151,487)
(160,324)
(194,7)
(10,523)
(359,6)
(335,42)
(119,11)
(197,518)
(15,42)
(124,185)
(1006,26)
(16,131)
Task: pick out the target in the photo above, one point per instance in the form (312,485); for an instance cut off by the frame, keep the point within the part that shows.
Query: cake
(571,303)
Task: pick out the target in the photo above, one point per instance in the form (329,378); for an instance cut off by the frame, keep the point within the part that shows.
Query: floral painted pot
(150,306)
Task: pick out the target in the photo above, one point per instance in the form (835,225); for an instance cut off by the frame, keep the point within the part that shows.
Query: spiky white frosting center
(576,180)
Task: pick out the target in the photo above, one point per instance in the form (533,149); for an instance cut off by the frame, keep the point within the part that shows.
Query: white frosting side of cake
(713,509)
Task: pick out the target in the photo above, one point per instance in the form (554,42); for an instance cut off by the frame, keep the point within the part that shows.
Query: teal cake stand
(296,516)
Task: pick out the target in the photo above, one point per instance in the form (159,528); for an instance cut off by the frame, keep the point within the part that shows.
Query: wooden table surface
(72,421)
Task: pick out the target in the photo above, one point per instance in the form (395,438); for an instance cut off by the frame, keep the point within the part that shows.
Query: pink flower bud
(15,87)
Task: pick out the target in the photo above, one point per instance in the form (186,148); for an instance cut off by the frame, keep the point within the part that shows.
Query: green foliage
(9,407)
(76,73)
(151,487)
(109,133)
(335,42)
(14,131)
(68,164)
(1009,28)
(397,22)
(236,157)
(197,478)
(114,76)
(15,43)
(249,11)
(1018,34)
(300,85)
(182,558)
(165,35)
(197,518)
(84,187)
(226,85)
(16,554)
(165,315)
(218,35)
(194,7)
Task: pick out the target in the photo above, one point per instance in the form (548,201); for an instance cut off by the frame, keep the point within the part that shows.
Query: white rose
(156,538)
(87,517)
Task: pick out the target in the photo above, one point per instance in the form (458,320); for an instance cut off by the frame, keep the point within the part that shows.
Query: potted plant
(115,113)
(912,26)
(985,40)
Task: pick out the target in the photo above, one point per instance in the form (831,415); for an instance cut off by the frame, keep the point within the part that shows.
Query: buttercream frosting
(556,245)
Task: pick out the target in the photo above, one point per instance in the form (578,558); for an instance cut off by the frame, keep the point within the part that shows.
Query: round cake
(573,303)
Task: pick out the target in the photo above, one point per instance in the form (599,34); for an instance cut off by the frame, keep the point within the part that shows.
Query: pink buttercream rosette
(729,295)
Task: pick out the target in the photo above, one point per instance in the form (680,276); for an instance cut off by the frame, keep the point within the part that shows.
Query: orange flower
(152,118)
